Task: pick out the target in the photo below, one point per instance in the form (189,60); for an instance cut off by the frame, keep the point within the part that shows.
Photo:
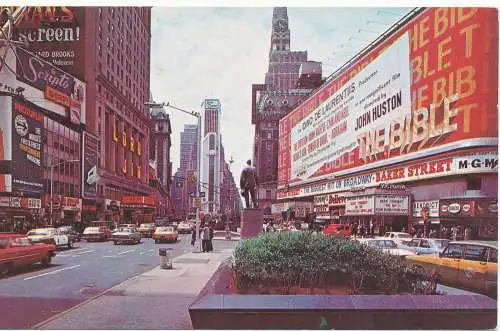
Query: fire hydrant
(165,258)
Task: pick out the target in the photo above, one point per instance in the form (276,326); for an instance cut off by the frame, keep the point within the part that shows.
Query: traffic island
(267,287)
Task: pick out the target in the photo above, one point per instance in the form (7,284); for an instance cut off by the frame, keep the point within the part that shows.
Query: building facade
(117,57)
(275,98)
(159,158)
(399,143)
(211,156)
(183,185)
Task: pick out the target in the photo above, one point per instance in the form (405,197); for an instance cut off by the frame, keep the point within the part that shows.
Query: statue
(249,183)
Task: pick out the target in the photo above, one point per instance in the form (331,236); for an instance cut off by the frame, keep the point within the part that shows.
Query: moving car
(70,232)
(50,236)
(165,233)
(387,245)
(471,265)
(147,230)
(126,235)
(425,245)
(17,250)
(96,233)
(398,237)
(342,229)
(184,227)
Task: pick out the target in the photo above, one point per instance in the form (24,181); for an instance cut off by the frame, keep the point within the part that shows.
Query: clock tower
(280,36)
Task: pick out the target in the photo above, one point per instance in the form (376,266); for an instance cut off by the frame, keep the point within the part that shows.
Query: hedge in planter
(301,259)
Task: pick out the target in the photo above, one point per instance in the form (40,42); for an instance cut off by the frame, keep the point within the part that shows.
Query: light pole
(52,166)
(198,145)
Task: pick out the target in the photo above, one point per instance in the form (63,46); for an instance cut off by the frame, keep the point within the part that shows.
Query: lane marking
(52,272)
(108,256)
(85,252)
(77,249)
(150,250)
(131,250)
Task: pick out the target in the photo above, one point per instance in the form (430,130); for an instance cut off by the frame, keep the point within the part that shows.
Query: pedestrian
(355,230)
(468,233)
(205,238)
(193,235)
(361,230)
(210,238)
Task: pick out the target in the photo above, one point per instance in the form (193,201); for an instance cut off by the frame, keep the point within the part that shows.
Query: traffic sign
(202,194)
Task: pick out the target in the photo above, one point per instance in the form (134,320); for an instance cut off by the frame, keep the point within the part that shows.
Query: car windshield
(165,229)
(403,235)
(91,230)
(441,243)
(124,229)
(36,232)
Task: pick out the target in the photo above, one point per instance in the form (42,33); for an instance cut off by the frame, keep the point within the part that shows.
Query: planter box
(215,309)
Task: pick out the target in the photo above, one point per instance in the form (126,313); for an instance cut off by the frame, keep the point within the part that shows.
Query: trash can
(165,258)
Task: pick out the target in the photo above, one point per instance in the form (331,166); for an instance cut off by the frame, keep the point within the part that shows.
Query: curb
(40,325)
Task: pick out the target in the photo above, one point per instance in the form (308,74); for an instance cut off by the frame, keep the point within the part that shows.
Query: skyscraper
(289,78)
(210,158)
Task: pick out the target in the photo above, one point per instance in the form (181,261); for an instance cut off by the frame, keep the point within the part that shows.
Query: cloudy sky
(200,53)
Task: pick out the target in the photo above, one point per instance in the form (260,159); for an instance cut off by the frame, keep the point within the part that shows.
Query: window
(473,183)
(425,244)
(453,251)
(475,253)
(492,255)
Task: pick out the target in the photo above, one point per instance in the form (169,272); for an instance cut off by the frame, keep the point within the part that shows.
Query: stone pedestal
(251,222)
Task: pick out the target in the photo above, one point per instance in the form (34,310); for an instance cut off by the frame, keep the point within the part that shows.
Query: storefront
(19,214)
(112,213)
(381,209)
(138,209)
(329,208)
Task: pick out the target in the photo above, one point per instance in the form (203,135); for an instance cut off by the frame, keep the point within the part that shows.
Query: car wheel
(46,260)
(5,269)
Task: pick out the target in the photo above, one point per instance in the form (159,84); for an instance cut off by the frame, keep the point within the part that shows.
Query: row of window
(471,252)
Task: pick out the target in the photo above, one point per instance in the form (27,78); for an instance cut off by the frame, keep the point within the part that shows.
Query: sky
(214,52)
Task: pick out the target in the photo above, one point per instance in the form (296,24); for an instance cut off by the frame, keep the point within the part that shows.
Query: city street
(31,295)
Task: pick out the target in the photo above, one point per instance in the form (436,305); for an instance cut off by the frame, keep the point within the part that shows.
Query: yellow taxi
(470,265)
(165,233)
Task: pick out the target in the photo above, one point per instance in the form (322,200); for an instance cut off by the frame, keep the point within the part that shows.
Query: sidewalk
(157,299)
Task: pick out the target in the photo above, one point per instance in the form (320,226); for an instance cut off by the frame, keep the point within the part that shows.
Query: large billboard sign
(45,81)
(90,153)
(56,35)
(27,148)
(430,87)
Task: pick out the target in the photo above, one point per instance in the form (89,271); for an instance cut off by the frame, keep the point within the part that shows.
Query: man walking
(249,183)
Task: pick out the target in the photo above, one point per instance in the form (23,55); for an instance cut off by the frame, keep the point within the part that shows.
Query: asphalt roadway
(32,294)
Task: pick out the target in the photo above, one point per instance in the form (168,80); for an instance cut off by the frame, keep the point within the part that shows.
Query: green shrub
(288,259)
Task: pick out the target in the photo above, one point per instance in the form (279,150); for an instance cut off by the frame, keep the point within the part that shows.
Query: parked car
(342,229)
(17,250)
(184,227)
(165,233)
(96,233)
(387,245)
(50,236)
(398,237)
(425,245)
(126,235)
(70,232)
(471,265)
(147,229)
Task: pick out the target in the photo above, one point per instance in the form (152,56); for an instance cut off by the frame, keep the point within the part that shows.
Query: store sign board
(481,162)
(445,111)
(4,201)
(432,205)
(90,153)
(360,205)
(392,205)
(457,208)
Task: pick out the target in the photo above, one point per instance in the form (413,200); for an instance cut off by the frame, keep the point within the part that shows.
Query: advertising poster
(358,121)
(362,205)
(56,85)
(367,105)
(56,35)
(90,152)
(27,148)
(6,140)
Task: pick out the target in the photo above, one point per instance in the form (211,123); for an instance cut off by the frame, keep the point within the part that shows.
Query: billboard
(49,83)
(358,120)
(90,154)
(27,148)
(56,35)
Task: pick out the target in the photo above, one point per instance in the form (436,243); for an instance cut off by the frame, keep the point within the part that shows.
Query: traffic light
(179,184)
(192,179)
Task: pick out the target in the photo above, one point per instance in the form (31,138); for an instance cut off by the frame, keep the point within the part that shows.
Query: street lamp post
(52,166)
(198,145)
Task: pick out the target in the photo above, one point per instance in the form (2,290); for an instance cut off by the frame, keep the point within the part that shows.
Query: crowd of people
(453,232)
(206,235)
